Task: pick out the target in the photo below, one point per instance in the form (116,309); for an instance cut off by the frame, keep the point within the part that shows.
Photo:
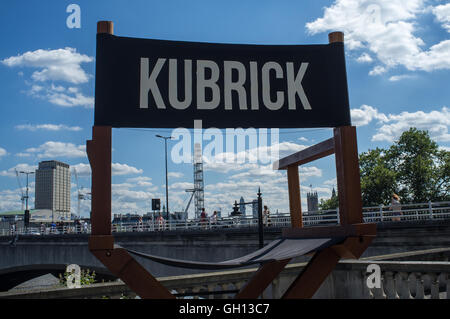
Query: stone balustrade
(399,280)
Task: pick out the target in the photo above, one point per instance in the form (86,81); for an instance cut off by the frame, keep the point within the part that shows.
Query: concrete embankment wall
(209,245)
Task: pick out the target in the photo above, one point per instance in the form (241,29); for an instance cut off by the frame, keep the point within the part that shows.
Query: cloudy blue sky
(398,66)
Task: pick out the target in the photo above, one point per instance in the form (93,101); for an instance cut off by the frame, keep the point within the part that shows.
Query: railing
(46,230)
(375,214)
(408,212)
(399,280)
(413,280)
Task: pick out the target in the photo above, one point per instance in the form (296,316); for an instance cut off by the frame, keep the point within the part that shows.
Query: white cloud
(175,174)
(66,100)
(53,150)
(125,200)
(255,172)
(393,125)
(142,181)
(83,170)
(436,122)
(19,167)
(57,88)
(263,173)
(48,127)
(331,182)
(273,183)
(365,114)
(10,199)
(308,171)
(377,70)
(436,58)
(303,139)
(250,158)
(59,95)
(2,152)
(124,169)
(181,185)
(117,169)
(442,13)
(139,179)
(385,29)
(35,89)
(53,65)
(395,78)
(364,58)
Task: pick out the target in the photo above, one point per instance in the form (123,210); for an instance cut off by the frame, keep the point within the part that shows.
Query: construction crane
(22,198)
(80,194)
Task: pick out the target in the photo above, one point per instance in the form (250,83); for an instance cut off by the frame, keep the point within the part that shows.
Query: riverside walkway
(376,214)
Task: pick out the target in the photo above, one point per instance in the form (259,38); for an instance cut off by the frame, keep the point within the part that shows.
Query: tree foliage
(377,180)
(331,203)
(412,167)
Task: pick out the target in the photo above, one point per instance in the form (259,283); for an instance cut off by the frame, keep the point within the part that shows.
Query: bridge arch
(14,276)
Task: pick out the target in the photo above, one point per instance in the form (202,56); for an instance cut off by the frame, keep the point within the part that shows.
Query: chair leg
(121,264)
(314,274)
(261,279)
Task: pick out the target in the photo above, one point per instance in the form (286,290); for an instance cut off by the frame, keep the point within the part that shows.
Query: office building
(242,206)
(53,189)
(255,208)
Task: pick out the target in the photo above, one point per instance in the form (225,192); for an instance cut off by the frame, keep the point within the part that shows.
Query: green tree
(331,203)
(412,167)
(378,181)
(442,178)
(422,170)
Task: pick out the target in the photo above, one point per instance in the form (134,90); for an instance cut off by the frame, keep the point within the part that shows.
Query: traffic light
(156,204)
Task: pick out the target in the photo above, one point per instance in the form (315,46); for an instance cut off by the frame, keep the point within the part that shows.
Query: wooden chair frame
(358,235)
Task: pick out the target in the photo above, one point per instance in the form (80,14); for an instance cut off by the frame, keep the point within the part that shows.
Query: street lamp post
(260,220)
(167,186)
(26,216)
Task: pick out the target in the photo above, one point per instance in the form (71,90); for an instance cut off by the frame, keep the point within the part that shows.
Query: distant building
(255,208)
(242,205)
(333,193)
(313,201)
(129,218)
(53,188)
(37,216)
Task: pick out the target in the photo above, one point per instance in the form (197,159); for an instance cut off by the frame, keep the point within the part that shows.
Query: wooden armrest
(307,155)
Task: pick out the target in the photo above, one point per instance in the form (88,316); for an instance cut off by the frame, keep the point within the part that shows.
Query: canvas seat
(277,250)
